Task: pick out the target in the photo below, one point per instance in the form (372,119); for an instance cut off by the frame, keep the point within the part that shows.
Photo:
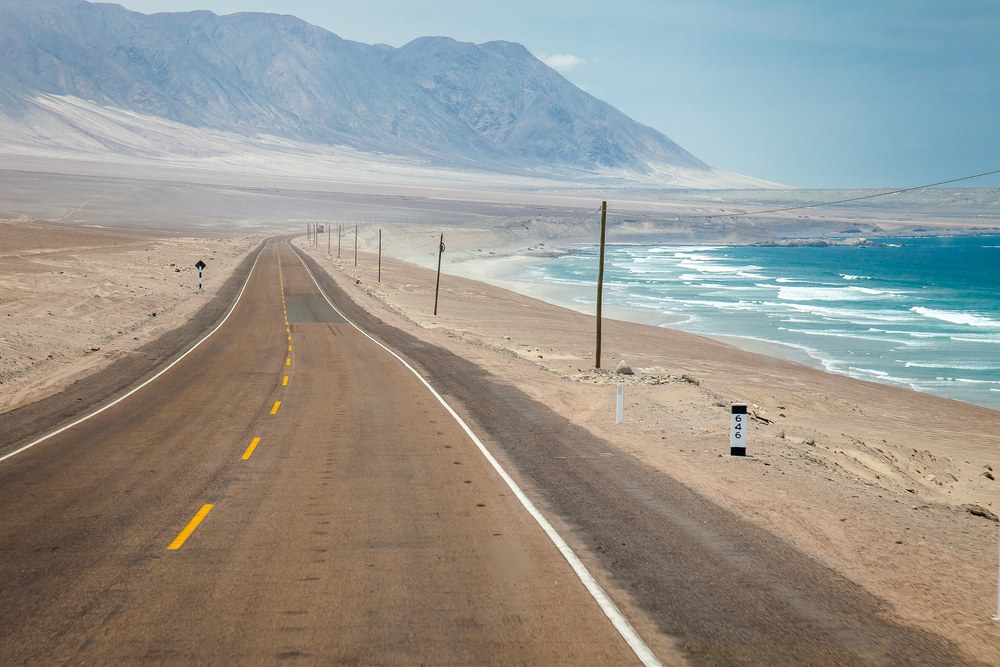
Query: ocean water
(922,313)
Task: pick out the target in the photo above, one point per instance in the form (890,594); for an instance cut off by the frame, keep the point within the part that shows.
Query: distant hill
(69,68)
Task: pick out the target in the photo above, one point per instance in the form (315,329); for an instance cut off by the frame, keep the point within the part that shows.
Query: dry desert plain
(875,482)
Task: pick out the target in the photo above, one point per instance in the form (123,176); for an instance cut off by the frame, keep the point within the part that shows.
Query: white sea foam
(973,338)
(834,333)
(847,276)
(945,366)
(956,317)
(832,293)
(707,267)
(878,376)
(848,315)
(912,334)
(722,288)
(722,305)
(661,273)
(751,275)
(695,256)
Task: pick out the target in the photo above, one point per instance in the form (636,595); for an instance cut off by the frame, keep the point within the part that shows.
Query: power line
(844,201)
(555,236)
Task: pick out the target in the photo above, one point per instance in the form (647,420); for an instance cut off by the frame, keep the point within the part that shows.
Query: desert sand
(873,481)
(74,299)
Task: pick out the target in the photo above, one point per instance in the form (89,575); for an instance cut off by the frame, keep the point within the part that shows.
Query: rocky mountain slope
(68,68)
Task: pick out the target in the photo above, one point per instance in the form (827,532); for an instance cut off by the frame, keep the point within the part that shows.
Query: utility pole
(355,245)
(600,282)
(380,255)
(437,285)
(340,233)
(329,234)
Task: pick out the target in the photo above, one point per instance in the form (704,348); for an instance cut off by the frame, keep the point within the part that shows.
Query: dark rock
(978,510)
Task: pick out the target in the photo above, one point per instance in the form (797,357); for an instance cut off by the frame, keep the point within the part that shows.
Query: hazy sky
(811,93)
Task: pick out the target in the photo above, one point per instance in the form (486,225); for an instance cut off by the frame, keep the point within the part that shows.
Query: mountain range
(79,77)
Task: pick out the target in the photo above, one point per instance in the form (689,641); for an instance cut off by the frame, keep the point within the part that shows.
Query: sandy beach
(872,481)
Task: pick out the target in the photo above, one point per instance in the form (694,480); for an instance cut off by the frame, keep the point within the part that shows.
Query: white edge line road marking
(625,629)
(150,380)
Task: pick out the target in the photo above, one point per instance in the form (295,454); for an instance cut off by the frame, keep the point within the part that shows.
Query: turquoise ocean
(922,313)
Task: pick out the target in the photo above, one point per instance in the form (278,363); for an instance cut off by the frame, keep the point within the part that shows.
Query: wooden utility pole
(437,285)
(329,239)
(380,255)
(600,281)
(340,233)
(355,245)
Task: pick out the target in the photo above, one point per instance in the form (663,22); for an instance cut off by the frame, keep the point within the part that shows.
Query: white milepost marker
(619,416)
(997,617)
(738,432)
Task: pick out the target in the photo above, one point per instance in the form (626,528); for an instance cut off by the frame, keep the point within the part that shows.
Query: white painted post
(619,416)
(739,430)
(997,616)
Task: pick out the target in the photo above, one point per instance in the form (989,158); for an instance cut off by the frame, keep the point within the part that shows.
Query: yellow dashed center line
(288,361)
(249,451)
(274,410)
(284,381)
(188,529)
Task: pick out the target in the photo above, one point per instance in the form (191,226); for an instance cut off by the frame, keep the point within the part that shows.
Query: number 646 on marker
(740,421)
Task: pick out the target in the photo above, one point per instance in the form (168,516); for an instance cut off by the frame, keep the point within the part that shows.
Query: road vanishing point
(308,484)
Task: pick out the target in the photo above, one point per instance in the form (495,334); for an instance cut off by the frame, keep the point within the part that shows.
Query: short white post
(738,431)
(997,616)
(619,416)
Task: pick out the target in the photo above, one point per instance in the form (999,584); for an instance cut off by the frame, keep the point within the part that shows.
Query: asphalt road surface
(345,517)
(290,491)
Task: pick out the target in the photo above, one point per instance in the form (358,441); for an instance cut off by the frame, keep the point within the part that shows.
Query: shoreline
(496,272)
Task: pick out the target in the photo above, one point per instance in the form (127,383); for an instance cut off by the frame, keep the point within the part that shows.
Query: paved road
(345,516)
(364,526)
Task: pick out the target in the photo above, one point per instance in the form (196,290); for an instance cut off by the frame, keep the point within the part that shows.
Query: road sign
(201,267)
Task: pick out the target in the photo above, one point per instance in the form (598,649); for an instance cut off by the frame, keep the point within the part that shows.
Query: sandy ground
(72,300)
(868,479)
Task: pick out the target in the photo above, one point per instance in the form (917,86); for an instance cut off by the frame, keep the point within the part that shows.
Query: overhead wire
(844,201)
(568,229)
